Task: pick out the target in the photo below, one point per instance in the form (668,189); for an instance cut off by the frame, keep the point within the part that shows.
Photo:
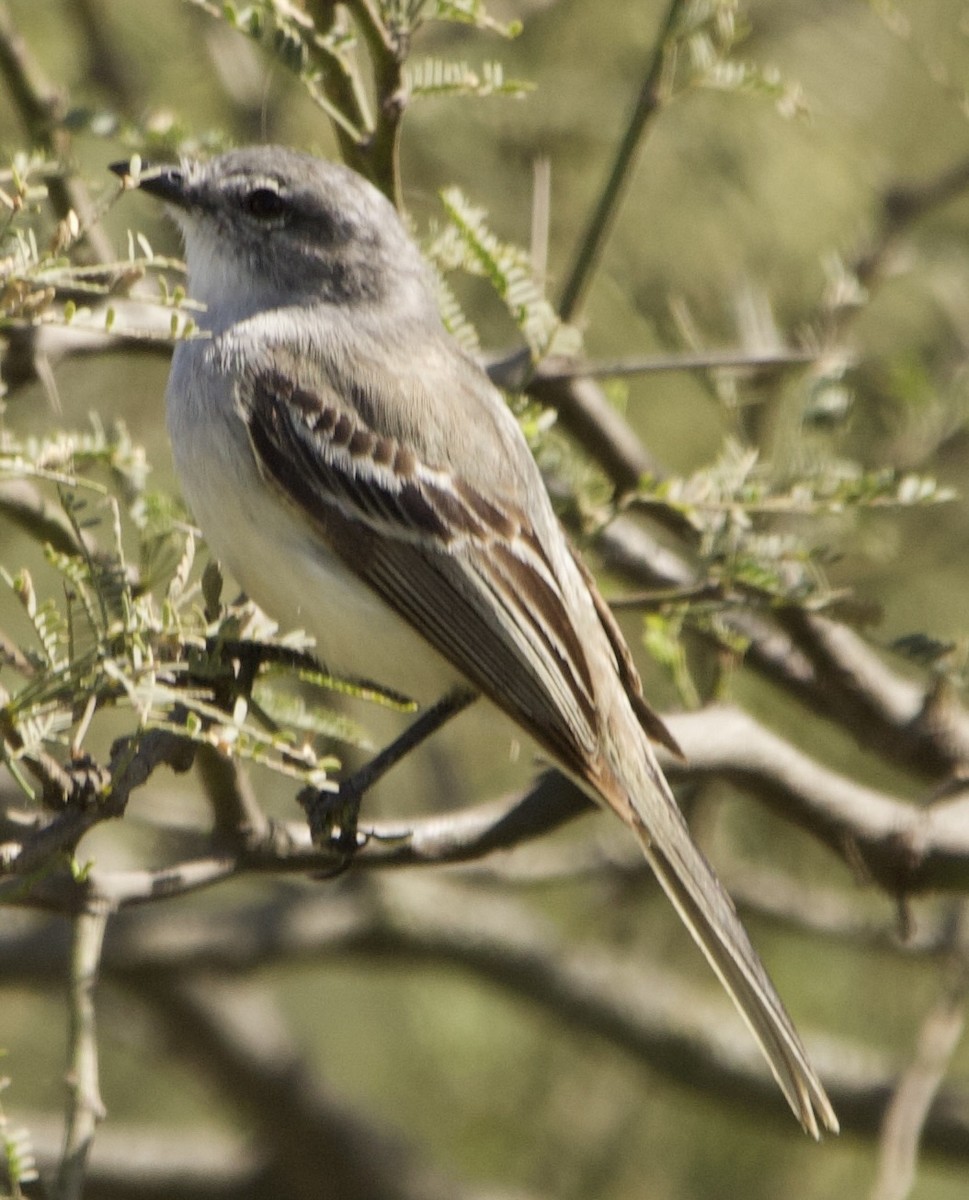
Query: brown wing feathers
(357,489)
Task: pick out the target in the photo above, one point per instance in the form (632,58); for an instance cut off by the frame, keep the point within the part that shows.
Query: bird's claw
(333,818)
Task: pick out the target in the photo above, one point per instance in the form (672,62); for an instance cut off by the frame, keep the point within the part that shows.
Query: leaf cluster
(766,535)
(129,623)
(44,280)
(467,243)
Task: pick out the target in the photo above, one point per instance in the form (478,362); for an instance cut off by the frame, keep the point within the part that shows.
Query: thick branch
(636,1007)
(280,848)
(821,663)
(855,687)
(236,1035)
(903,847)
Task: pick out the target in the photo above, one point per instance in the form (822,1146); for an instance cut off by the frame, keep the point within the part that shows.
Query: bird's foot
(333,817)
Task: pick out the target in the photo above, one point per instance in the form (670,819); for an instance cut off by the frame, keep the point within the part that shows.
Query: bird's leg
(333,816)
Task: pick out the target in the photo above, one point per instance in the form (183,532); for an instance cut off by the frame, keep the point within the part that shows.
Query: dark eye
(265,204)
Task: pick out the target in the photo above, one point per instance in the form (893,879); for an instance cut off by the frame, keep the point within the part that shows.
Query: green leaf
(467,243)
(440,77)
(315,719)
(662,638)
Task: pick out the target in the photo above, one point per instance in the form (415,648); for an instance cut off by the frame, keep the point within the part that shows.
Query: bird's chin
(222,282)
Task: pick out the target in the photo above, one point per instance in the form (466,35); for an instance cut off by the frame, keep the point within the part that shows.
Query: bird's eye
(265,204)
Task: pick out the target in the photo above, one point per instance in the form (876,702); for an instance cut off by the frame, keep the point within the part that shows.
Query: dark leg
(333,816)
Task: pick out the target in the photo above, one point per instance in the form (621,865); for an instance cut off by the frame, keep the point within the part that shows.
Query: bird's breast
(277,557)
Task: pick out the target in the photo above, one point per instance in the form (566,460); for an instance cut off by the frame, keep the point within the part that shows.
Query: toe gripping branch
(333,817)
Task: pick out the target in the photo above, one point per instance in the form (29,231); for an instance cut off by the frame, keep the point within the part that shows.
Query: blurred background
(749,207)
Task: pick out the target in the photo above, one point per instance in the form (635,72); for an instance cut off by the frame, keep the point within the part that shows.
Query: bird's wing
(651,722)
(466,570)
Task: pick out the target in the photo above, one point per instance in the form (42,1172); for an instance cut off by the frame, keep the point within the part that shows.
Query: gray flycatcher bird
(360,476)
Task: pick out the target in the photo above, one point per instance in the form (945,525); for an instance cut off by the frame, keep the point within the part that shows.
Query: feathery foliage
(466,243)
(441,77)
(128,624)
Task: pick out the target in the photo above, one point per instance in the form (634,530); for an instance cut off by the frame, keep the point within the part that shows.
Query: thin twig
(342,87)
(85,1108)
(388,48)
(510,371)
(918,1087)
(11,655)
(239,820)
(42,108)
(368,143)
(600,224)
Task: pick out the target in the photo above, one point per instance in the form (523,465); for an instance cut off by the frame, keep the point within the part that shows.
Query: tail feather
(709,914)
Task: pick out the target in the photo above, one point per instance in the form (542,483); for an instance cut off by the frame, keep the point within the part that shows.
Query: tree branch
(918,1087)
(821,663)
(604,214)
(286,847)
(903,848)
(86,802)
(852,685)
(85,1108)
(637,1007)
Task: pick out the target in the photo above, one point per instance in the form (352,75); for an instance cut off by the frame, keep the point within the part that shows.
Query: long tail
(709,914)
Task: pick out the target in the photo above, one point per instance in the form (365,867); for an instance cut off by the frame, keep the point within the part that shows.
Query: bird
(360,475)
